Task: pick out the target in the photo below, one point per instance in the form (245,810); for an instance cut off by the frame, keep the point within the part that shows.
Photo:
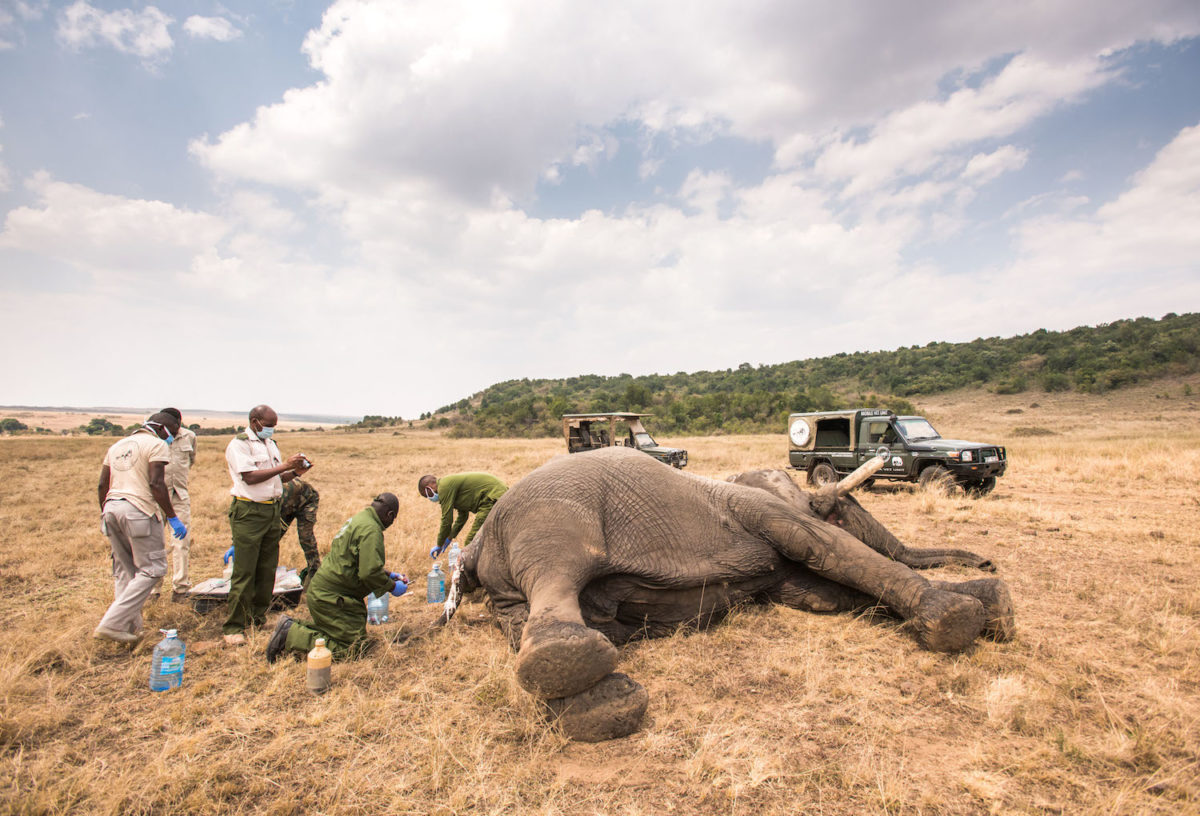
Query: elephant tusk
(865,471)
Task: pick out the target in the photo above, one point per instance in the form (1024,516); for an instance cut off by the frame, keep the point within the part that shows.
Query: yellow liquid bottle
(319,660)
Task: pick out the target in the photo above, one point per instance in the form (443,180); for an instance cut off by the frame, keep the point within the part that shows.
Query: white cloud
(914,140)
(12,15)
(142,33)
(212,28)
(112,237)
(1146,232)
(986,167)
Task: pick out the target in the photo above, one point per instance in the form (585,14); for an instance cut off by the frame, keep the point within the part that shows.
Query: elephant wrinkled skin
(598,548)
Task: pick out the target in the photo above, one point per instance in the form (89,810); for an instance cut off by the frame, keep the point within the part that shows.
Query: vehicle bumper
(976,470)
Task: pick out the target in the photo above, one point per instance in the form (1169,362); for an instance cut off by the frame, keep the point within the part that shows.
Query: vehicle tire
(937,479)
(981,487)
(822,474)
(867,485)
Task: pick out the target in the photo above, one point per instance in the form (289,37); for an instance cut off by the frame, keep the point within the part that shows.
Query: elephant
(592,550)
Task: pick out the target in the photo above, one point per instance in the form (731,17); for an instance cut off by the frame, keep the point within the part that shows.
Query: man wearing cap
(352,570)
(258,472)
(133,503)
(183,456)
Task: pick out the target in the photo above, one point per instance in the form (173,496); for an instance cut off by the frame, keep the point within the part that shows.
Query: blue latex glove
(228,554)
(177,528)
(436,551)
(400,588)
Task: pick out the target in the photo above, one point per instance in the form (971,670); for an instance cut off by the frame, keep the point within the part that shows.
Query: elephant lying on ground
(597,548)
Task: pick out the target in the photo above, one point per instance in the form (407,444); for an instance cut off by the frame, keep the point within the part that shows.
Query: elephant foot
(947,621)
(999,621)
(559,659)
(610,709)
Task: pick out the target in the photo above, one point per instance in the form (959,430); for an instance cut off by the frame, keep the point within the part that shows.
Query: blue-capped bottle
(166,667)
(377,608)
(435,585)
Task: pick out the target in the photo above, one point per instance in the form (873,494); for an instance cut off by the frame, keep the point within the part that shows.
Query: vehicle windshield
(643,440)
(917,428)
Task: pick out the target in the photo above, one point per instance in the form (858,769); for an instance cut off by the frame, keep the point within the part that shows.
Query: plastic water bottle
(435,585)
(166,668)
(377,609)
(452,556)
(318,667)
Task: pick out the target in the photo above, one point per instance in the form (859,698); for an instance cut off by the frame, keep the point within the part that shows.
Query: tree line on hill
(757,399)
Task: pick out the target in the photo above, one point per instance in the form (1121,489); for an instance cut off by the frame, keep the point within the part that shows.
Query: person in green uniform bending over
(352,570)
(465,492)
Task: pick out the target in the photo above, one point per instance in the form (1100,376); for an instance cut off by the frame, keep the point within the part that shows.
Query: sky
(376,207)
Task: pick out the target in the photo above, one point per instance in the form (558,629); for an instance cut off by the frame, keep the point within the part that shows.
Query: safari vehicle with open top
(830,444)
(585,432)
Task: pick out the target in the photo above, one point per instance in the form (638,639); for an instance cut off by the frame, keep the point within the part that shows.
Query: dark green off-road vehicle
(585,432)
(830,444)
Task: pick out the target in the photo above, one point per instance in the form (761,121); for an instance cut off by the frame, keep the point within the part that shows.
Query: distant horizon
(112,409)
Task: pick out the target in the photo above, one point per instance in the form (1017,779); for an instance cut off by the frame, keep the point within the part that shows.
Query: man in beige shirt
(133,503)
(183,456)
(258,472)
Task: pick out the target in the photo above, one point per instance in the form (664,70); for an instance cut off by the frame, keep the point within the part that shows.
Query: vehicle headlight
(966,456)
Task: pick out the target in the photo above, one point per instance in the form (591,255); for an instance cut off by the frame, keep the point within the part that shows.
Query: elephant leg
(559,655)
(511,620)
(943,621)
(610,709)
(1000,622)
(810,592)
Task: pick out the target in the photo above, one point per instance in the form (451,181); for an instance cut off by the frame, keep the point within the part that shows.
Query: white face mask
(266,433)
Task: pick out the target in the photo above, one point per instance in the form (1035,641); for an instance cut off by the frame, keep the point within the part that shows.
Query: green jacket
(354,565)
(467,493)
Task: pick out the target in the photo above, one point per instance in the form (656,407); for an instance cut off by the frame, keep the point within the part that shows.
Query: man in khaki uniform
(258,472)
(133,502)
(183,456)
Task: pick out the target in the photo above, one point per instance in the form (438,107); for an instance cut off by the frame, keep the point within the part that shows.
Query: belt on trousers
(255,501)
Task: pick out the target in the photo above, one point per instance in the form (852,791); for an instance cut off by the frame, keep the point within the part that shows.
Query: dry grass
(1094,708)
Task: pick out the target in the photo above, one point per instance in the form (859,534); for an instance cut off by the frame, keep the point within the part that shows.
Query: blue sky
(382,207)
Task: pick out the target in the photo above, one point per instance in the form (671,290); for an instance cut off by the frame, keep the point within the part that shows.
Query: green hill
(750,399)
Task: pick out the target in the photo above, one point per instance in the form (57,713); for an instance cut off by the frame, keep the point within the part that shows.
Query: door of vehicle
(878,432)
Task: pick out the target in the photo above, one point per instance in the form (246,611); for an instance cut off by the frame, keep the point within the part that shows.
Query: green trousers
(256,532)
(338,618)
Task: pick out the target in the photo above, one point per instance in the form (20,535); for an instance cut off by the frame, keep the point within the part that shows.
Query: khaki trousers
(139,563)
(180,548)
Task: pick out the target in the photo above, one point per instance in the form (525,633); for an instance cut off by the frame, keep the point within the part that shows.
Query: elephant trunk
(454,594)
(850,516)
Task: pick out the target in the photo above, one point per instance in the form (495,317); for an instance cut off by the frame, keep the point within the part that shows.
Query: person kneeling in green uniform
(352,570)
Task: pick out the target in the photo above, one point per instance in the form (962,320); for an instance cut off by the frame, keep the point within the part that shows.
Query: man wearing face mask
(133,502)
(258,472)
(353,569)
(465,492)
(183,456)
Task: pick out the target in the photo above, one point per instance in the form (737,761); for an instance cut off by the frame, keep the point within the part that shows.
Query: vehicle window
(643,440)
(833,432)
(917,428)
(879,432)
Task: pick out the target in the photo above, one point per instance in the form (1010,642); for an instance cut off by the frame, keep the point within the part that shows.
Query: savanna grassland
(1093,708)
